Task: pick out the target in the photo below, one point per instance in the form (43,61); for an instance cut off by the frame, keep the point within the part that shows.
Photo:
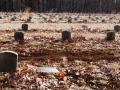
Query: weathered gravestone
(18,35)
(69,20)
(30,17)
(110,35)
(103,21)
(25,27)
(117,28)
(75,19)
(15,17)
(12,19)
(85,21)
(8,61)
(66,35)
(28,20)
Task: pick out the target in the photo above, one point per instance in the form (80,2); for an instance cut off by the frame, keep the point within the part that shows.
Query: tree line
(73,6)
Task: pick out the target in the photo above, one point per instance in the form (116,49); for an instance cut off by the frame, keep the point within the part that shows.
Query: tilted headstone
(110,35)
(25,27)
(117,28)
(18,35)
(66,35)
(8,61)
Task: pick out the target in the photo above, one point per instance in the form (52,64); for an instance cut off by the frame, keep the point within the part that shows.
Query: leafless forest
(84,6)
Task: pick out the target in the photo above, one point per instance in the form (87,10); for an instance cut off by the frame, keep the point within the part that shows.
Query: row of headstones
(66,34)
(69,19)
(8,59)
(14,17)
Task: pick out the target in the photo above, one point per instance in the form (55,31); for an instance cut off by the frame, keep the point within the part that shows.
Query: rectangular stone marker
(47,69)
(8,61)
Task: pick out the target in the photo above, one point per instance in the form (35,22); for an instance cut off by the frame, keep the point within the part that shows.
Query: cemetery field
(86,61)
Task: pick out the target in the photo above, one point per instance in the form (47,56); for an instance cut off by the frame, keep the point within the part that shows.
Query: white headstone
(47,69)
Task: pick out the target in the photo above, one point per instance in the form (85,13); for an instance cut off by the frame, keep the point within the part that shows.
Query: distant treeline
(84,6)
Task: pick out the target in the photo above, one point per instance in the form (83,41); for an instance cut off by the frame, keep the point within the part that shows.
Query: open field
(87,61)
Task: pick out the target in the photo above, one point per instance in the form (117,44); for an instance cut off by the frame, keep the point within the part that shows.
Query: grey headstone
(8,61)
(49,21)
(117,28)
(0,17)
(110,35)
(69,20)
(28,20)
(85,21)
(66,35)
(45,19)
(18,35)
(12,19)
(30,17)
(60,18)
(75,18)
(103,20)
(84,26)
(15,17)
(25,27)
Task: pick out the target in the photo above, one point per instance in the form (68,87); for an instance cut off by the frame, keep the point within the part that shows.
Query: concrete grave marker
(12,19)
(47,69)
(0,17)
(28,20)
(85,21)
(8,61)
(18,35)
(66,35)
(110,35)
(25,27)
(117,28)
(69,20)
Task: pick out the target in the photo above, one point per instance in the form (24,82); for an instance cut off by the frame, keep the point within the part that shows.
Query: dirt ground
(86,61)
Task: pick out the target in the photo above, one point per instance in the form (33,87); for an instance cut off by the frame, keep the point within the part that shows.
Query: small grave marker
(75,19)
(18,35)
(28,20)
(0,17)
(8,61)
(47,70)
(110,35)
(25,27)
(66,35)
(85,21)
(12,19)
(117,28)
(103,21)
